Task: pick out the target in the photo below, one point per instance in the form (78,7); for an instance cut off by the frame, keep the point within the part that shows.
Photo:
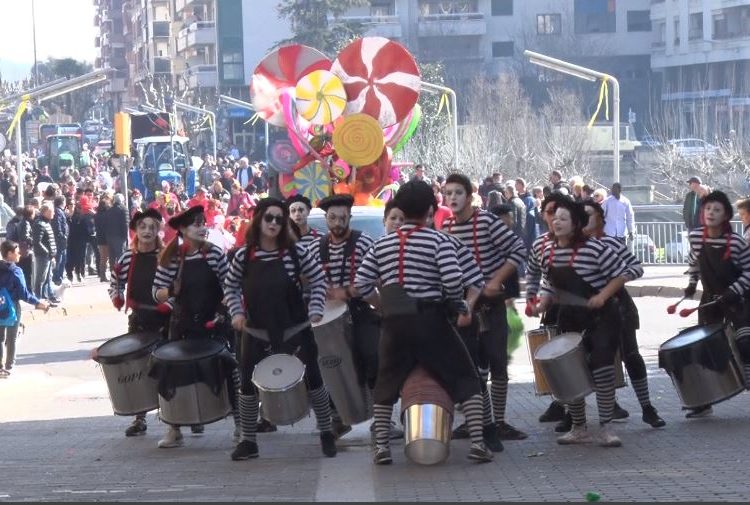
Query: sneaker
(651,417)
(382,456)
(4,373)
(576,435)
(137,428)
(245,450)
(173,438)
(555,412)
(619,413)
(328,444)
(339,429)
(54,299)
(480,453)
(700,412)
(565,425)
(607,437)
(491,439)
(507,432)
(461,432)
(265,426)
(197,429)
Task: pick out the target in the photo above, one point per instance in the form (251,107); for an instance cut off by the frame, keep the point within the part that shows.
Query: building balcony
(376,25)
(117,85)
(161,29)
(201,33)
(203,76)
(113,40)
(463,24)
(162,66)
(181,5)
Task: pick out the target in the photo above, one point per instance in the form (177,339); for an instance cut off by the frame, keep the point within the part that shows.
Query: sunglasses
(269,218)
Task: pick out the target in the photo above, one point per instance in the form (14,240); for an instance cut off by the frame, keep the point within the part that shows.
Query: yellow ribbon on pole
(603,97)
(17,118)
(444,102)
(253,119)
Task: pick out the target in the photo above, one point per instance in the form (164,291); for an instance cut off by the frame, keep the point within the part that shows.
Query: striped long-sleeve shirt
(308,238)
(492,243)
(309,268)
(119,279)
(634,268)
(214,256)
(470,272)
(594,262)
(739,252)
(339,271)
(430,265)
(534,264)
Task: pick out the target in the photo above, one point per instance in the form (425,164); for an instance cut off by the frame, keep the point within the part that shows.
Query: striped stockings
(472,409)
(248,417)
(499,390)
(322,407)
(640,386)
(604,384)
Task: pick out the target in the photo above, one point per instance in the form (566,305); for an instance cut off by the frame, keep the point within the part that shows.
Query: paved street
(59,441)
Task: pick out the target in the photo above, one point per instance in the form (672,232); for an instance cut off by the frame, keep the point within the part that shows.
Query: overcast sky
(64,28)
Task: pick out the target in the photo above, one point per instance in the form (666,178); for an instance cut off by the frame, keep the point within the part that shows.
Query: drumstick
(687,312)
(673,308)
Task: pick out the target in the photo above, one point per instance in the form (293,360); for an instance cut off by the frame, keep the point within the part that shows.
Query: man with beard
(498,251)
(299,210)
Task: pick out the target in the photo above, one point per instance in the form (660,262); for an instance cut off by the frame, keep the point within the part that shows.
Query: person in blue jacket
(12,284)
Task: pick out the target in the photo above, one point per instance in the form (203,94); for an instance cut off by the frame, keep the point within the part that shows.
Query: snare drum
(562,360)
(333,335)
(124,362)
(701,364)
(280,379)
(427,414)
(192,376)
(534,339)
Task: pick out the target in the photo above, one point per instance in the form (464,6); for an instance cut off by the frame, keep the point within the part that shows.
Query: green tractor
(64,151)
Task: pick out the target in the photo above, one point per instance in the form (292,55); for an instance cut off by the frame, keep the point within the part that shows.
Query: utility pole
(33,31)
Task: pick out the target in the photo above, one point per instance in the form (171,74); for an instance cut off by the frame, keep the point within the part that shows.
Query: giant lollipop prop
(358,140)
(320,97)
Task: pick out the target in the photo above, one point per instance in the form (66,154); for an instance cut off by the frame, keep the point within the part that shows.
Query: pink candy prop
(296,126)
(278,70)
(380,77)
(341,169)
(282,156)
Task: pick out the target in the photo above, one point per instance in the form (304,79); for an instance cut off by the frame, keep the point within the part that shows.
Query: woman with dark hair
(267,273)
(720,258)
(574,267)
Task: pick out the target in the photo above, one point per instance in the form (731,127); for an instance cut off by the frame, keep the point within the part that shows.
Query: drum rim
(330,307)
(140,352)
(301,378)
(665,348)
(220,347)
(574,349)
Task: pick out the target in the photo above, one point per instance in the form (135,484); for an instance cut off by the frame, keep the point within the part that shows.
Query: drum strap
(403,237)
(350,251)
(292,254)
(475,236)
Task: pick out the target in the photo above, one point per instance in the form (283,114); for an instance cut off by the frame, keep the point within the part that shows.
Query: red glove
(529,308)
(163,308)
(210,325)
(118,302)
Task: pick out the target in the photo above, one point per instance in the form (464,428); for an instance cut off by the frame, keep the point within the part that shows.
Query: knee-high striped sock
(248,417)
(578,412)
(236,405)
(640,386)
(499,389)
(382,421)
(604,384)
(322,408)
(486,407)
(473,412)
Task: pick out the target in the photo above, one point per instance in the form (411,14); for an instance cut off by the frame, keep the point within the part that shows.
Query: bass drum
(193,378)
(702,366)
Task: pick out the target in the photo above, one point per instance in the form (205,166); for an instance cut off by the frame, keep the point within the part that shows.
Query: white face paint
(147,230)
(456,197)
(298,211)
(196,231)
(562,224)
(714,214)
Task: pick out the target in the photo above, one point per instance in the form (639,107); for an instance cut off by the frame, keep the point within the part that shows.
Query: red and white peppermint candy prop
(278,70)
(380,77)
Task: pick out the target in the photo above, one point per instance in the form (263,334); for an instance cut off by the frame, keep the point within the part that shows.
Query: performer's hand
(42,305)
(464,320)
(162,294)
(530,305)
(238,322)
(163,308)
(316,319)
(118,302)
(492,291)
(596,302)
(689,291)
(730,297)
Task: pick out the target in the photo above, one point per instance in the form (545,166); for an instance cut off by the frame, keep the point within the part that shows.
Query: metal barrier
(664,243)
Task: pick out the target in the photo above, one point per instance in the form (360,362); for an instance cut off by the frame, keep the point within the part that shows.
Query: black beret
(721,198)
(298,198)
(185,218)
(140,216)
(343,200)
(270,201)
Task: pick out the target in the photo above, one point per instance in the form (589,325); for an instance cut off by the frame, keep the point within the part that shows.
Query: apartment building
(702,50)
(112,50)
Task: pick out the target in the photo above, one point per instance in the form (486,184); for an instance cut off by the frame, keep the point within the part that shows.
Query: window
(232,66)
(502,7)
(502,49)
(548,24)
(595,16)
(639,21)
(695,26)
(382,8)
(161,29)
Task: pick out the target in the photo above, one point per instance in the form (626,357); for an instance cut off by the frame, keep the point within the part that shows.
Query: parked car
(643,248)
(366,219)
(692,148)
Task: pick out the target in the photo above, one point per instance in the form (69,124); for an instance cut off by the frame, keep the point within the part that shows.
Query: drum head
(126,347)
(559,345)
(278,372)
(334,310)
(690,336)
(182,351)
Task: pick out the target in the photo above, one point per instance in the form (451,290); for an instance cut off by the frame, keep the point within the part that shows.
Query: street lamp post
(590,75)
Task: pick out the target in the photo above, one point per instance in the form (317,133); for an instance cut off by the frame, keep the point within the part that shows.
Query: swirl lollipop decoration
(282,156)
(358,140)
(320,97)
(311,181)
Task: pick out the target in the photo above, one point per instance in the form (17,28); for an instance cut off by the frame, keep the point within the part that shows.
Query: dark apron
(140,281)
(717,274)
(198,300)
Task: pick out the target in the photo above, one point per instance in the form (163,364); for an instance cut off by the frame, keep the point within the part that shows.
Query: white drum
(280,379)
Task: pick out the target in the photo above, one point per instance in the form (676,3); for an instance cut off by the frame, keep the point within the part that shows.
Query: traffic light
(122,134)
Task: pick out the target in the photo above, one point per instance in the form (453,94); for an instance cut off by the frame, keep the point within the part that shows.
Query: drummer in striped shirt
(419,274)
(584,275)
(720,258)
(264,294)
(499,252)
(299,210)
(629,352)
